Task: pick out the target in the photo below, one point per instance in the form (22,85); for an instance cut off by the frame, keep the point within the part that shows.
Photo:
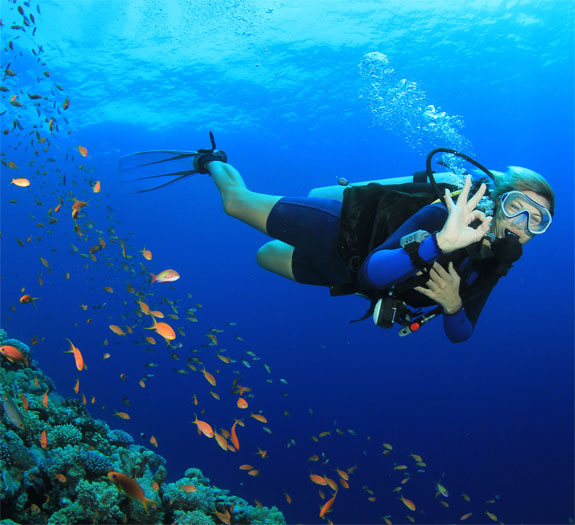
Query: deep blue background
(492,417)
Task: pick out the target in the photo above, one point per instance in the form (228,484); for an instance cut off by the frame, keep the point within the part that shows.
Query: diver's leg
(276,256)
(239,202)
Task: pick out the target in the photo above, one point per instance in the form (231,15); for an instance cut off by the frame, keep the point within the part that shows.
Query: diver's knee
(263,255)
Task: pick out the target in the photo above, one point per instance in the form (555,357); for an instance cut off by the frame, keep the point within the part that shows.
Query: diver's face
(518,225)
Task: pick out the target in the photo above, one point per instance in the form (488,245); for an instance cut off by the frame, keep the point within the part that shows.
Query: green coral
(195,517)
(82,449)
(64,435)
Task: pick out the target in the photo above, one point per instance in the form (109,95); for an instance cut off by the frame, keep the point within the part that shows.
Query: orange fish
(21,182)
(131,488)
(61,478)
(163,329)
(27,298)
(213,338)
(13,354)
(122,415)
(246,467)
(84,400)
(77,386)
(320,480)
(144,308)
(80,365)
(154,441)
(106,356)
(234,436)
(242,403)
(209,377)
(96,188)
(155,486)
(147,254)
(108,289)
(259,417)
(25,403)
(288,497)
(116,329)
(222,441)
(188,488)
(203,427)
(327,505)
(254,472)
(465,516)
(142,383)
(45,399)
(167,276)
(83,151)
(262,453)
(150,340)
(408,503)
(44,439)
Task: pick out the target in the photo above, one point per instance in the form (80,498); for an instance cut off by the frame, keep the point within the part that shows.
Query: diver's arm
(460,325)
(390,264)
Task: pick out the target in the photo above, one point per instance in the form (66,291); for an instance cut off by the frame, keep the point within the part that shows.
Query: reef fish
(12,412)
(167,276)
(131,488)
(13,354)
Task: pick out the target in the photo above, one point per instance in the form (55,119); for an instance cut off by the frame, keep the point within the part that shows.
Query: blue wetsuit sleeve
(460,325)
(390,264)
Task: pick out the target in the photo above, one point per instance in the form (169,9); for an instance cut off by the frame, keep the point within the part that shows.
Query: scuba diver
(415,249)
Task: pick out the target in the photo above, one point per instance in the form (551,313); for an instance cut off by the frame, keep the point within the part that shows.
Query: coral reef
(62,478)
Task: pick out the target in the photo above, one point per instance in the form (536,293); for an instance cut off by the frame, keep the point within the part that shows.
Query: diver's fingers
(477,197)
(452,271)
(476,214)
(465,191)
(448,200)
(439,271)
(424,291)
(485,226)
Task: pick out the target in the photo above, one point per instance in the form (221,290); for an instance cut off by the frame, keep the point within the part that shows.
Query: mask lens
(515,203)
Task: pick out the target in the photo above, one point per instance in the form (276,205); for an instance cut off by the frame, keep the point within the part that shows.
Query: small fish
(408,503)
(327,505)
(116,329)
(154,441)
(83,151)
(242,403)
(203,427)
(147,254)
(43,440)
(21,182)
(12,412)
(259,417)
(188,488)
(13,354)
(80,365)
(209,377)
(166,276)
(131,488)
(122,415)
(465,516)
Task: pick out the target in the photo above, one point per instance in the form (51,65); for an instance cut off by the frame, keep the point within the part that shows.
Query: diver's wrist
(442,243)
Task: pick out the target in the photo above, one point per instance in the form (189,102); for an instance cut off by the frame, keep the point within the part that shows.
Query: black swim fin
(143,171)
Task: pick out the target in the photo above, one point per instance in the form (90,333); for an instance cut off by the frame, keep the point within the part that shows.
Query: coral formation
(65,478)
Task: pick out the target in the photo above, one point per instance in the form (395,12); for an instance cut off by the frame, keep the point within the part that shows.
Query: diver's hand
(456,232)
(443,287)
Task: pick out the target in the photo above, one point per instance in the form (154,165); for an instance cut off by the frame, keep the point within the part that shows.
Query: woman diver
(374,241)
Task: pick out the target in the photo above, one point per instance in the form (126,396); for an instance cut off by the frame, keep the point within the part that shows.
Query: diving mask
(517,204)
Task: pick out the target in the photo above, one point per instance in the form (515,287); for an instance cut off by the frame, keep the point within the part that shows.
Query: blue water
(281,85)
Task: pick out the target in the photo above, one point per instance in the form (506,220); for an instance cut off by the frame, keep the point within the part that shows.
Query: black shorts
(311,226)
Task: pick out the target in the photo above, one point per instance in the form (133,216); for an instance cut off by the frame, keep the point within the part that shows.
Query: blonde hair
(522,179)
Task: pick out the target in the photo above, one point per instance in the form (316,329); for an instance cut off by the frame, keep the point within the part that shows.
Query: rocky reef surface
(56,462)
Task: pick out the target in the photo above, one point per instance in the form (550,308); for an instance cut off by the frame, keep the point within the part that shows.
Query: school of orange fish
(64,189)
